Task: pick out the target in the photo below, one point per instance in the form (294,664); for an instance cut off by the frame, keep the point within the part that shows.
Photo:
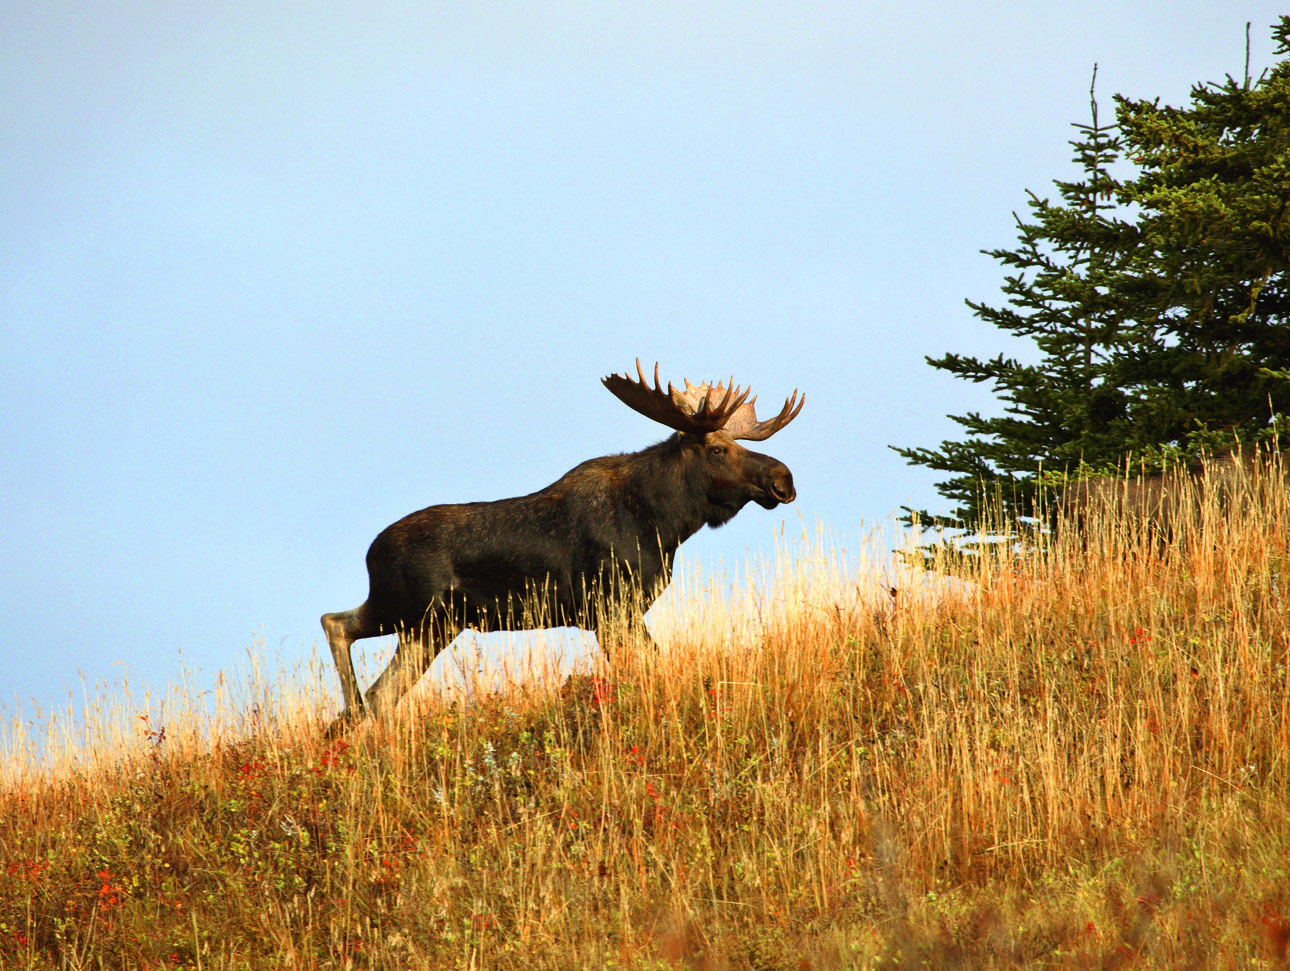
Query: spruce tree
(1211,252)
(1157,303)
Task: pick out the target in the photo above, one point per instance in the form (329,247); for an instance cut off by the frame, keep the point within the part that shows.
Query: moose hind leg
(342,630)
(417,648)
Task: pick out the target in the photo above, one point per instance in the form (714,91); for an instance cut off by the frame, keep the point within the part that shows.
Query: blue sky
(274,275)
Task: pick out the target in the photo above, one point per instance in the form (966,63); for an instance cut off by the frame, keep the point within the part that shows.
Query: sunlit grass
(1074,757)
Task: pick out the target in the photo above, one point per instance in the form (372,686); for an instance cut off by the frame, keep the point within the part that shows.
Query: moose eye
(717,450)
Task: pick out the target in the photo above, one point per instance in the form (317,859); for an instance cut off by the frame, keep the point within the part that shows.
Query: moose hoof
(345,721)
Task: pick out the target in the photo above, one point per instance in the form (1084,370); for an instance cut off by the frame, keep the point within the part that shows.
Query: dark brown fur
(602,535)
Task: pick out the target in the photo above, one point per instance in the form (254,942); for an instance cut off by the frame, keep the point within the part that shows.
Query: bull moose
(592,550)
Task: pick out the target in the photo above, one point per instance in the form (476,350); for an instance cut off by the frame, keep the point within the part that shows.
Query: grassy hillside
(1075,760)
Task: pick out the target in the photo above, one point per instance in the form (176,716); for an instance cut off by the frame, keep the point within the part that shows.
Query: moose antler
(686,411)
(744,424)
(700,408)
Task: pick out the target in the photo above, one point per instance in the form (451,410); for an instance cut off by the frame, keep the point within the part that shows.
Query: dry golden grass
(1072,758)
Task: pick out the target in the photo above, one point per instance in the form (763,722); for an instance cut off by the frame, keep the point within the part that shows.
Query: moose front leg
(637,631)
(627,626)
